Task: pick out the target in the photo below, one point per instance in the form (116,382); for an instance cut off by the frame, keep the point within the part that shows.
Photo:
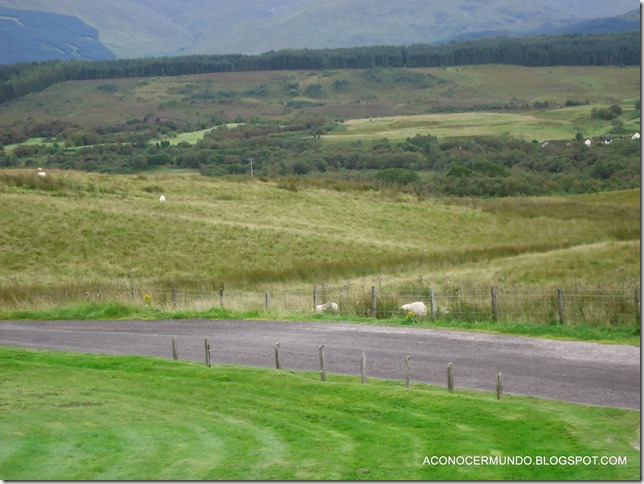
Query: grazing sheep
(162,199)
(418,308)
(41,173)
(328,306)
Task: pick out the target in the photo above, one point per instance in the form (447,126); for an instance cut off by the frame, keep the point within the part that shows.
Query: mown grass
(87,417)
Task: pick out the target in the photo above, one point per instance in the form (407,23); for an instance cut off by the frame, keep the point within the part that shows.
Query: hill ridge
(34,36)
(145,28)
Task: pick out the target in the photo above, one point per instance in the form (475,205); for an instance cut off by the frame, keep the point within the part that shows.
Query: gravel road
(581,372)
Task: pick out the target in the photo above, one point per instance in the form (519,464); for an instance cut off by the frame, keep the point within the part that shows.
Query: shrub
(397,176)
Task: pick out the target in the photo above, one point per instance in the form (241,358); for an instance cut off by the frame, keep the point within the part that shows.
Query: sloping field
(343,93)
(529,126)
(71,228)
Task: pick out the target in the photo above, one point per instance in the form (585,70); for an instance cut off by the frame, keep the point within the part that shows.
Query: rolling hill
(147,28)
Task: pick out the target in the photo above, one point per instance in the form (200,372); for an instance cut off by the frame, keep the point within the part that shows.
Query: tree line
(17,80)
(483,166)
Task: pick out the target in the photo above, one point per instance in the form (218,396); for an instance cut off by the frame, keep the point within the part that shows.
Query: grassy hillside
(87,417)
(345,94)
(72,229)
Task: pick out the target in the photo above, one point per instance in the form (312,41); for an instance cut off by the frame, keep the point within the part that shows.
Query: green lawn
(87,417)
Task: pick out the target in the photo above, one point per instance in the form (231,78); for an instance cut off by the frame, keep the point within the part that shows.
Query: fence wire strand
(592,306)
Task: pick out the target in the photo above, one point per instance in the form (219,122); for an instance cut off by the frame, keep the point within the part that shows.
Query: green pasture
(31,141)
(75,230)
(539,125)
(90,417)
(191,137)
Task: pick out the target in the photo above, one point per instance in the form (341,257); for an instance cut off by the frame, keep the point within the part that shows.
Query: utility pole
(248,158)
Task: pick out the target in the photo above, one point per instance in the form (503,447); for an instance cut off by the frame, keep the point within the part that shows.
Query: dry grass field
(73,230)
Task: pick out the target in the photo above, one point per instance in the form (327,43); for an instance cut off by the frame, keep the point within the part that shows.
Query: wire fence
(574,306)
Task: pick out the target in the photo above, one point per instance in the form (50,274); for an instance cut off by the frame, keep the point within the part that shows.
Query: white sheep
(41,173)
(417,307)
(328,306)
(162,199)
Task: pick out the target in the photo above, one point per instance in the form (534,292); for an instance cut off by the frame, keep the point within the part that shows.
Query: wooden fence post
(207,349)
(493,297)
(315,297)
(221,297)
(175,354)
(432,303)
(637,304)
(278,364)
(373,301)
(363,367)
(322,364)
(499,386)
(407,371)
(560,306)
(174,298)
(268,302)
(450,378)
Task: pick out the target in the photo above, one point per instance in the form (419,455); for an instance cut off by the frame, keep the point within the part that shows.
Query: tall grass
(89,236)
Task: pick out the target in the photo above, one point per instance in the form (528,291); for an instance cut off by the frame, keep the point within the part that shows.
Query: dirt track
(573,371)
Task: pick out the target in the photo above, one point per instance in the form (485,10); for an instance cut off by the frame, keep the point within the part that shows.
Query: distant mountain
(27,36)
(146,28)
(622,23)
